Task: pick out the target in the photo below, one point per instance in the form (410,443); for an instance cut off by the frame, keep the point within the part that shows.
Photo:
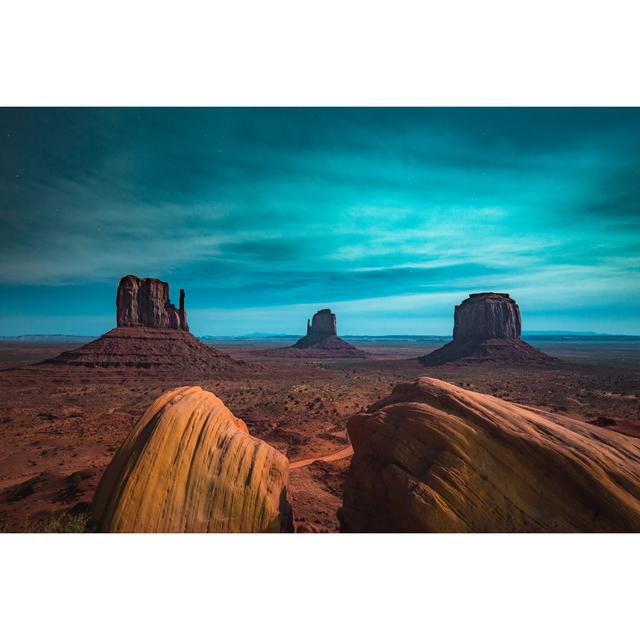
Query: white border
(287,52)
(324,53)
(314,586)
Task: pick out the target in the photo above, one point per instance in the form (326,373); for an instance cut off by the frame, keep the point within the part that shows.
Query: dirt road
(336,455)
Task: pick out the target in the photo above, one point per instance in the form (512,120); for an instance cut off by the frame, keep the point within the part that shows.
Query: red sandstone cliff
(487,328)
(144,302)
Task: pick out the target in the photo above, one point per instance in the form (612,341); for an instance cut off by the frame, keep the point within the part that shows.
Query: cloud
(281,207)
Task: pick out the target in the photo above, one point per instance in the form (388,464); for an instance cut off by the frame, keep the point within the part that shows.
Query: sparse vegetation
(64,523)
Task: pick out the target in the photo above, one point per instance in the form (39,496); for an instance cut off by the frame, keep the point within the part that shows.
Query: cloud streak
(271,209)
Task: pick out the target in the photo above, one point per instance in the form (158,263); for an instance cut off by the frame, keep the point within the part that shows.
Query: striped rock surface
(190,465)
(433,457)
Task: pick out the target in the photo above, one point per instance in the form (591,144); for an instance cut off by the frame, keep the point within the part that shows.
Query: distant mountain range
(529,335)
(253,336)
(423,338)
(48,337)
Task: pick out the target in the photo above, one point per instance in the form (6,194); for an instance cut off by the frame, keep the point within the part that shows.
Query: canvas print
(309,320)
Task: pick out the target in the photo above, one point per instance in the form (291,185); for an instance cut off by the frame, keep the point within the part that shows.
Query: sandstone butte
(433,457)
(145,302)
(189,465)
(487,328)
(150,334)
(321,341)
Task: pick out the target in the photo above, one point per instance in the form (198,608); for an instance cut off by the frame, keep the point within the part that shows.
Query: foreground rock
(190,465)
(487,328)
(433,457)
(321,341)
(151,334)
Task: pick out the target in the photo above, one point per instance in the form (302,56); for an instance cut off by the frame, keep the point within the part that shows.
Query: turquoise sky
(388,216)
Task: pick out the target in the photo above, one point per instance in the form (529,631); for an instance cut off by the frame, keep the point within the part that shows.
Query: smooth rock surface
(433,457)
(190,465)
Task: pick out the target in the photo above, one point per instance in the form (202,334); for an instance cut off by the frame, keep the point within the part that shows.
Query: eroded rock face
(433,457)
(190,465)
(147,336)
(321,341)
(486,315)
(487,328)
(145,302)
(323,324)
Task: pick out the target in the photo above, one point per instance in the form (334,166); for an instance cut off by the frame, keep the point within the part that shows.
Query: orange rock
(436,458)
(189,465)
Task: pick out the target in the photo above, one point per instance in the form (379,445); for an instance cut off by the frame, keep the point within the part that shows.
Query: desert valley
(319,320)
(552,444)
(311,322)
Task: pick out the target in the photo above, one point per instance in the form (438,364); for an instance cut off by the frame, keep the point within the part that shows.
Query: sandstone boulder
(433,457)
(190,465)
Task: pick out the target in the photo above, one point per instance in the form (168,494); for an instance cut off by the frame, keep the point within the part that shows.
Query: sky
(389,217)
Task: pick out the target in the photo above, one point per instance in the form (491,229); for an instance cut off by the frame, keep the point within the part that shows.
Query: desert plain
(60,426)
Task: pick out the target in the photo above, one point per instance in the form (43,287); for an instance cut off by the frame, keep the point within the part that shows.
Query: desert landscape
(68,407)
(319,320)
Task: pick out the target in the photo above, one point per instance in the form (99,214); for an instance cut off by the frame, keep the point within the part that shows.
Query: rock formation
(486,315)
(322,325)
(151,334)
(321,341)
(190,465)
(145,302)
(486,328)
(321,328)
(147,348)
(433,457)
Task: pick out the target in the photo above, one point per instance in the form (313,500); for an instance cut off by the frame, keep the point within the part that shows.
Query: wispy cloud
(269,209)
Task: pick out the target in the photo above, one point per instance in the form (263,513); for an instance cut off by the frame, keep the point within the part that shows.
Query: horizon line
(346,335)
